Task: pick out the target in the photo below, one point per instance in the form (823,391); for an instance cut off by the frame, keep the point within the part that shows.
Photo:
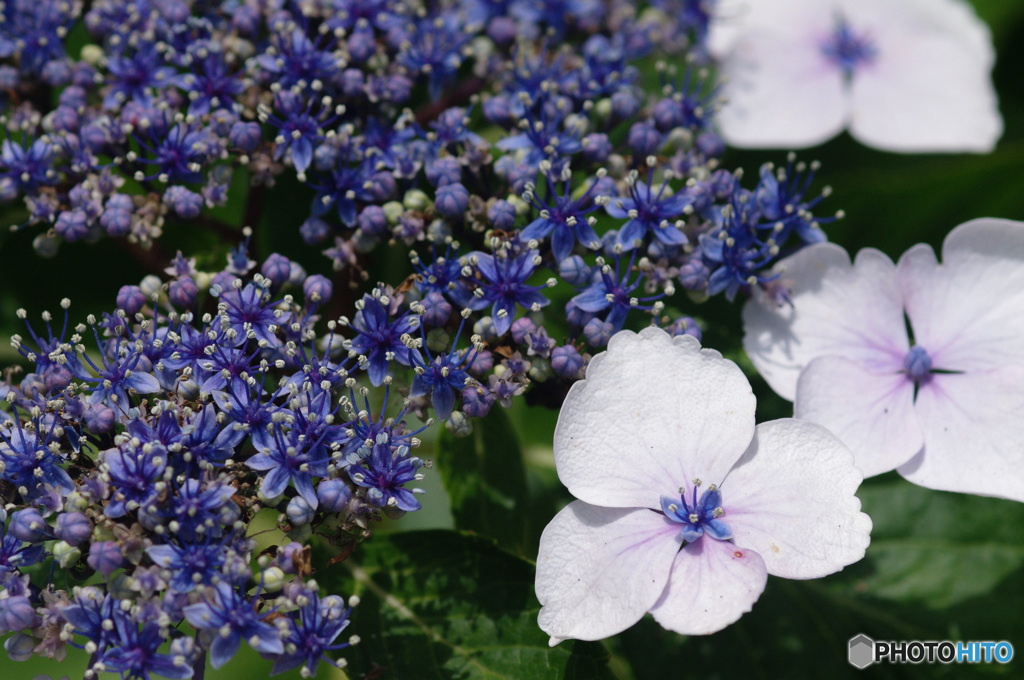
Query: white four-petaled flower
(902,75)
(944,404)
(684,505)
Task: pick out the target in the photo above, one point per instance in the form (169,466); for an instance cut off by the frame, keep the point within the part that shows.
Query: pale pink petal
(928,87)
(653,413)
(712,584)
(780,92)
(855,311)
(968,312)
(973,426)
(600,569)
(791,499)
(872,413)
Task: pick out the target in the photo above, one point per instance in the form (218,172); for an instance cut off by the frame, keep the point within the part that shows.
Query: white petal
(973,426)
(599,570)
(713,583)
(968,312)
(854,311)
(734,18)
(653,413)
(928,87)
(954,19)
(780,91)
(791,499)
(872,413)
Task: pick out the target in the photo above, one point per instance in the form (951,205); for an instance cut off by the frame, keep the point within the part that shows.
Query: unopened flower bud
(74,528)
(105,557)
(29,526)
(299,511)
(334,495)
(66,555)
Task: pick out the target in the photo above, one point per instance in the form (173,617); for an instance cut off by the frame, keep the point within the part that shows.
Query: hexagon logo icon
(862,651)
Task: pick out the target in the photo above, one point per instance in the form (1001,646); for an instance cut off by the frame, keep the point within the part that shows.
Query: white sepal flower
(945,410)
(684,506)
(902,75)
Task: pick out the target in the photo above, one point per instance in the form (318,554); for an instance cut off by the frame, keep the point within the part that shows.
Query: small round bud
(66,555)
(29,526)
(245,136)
(183,292)
(317,288)
(502,215)
(16,613)
(566,361)
(105,557)
(74,528)
(451,201)
(131,299)
(277,268)
(684,325)
(598,332)
(99,418)
(299,511)
(334,495)
(273,579)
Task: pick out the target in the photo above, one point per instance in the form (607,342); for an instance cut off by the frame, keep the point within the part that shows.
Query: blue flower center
(846,49)
(917,363)
(699,517)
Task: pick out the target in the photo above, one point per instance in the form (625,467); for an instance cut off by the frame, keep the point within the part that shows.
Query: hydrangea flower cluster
(523,179)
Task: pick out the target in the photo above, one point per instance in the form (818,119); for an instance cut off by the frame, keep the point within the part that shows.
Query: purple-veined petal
(562,241)
(929,88)
(855,311)
(485,263)
(443,400)
(537,229)
(872,413)
(791,499)
(142,383)
(600,569)
(669,235)
(223,649)
(631,232)
(377,367)
(268,640)
(302,153)
(275,482)
(304,485)
(781,91)
(593,299)
(199,615)
(162,555)
(262,461)
(973,425)
(619,207)
(712,584)
(968,312)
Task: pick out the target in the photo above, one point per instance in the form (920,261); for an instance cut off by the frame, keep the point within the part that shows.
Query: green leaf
(925,542)
(801,629)
(441,605)
(485,480)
